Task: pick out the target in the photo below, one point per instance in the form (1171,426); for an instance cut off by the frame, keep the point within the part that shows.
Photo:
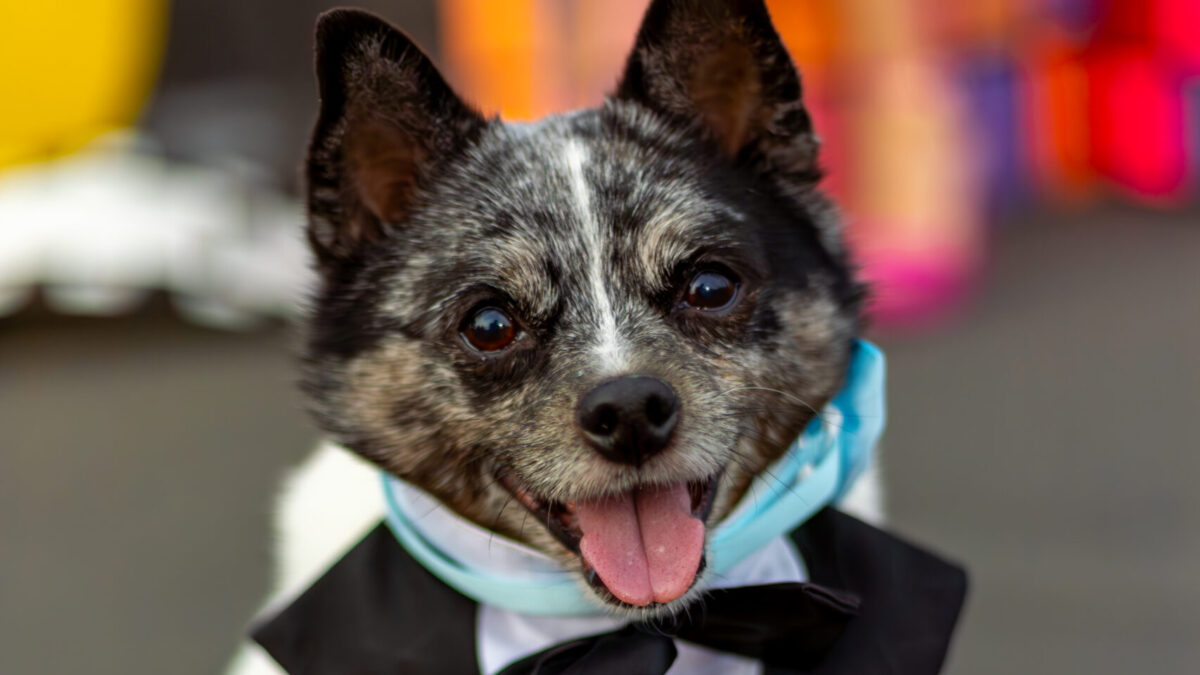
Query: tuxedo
(874,604)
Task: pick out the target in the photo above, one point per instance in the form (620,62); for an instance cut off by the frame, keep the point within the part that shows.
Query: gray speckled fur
(581,224)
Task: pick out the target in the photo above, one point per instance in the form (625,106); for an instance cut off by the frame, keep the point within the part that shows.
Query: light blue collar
(817,470)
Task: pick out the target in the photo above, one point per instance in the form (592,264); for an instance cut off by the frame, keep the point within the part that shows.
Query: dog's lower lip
(561,521)
(558,517)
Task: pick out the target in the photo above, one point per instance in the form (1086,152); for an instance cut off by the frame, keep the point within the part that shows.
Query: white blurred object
(99,229)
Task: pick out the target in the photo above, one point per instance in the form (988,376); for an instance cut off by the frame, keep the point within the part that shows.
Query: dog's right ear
(387,118)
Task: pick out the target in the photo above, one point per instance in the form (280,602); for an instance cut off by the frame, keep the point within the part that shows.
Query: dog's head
(588,333)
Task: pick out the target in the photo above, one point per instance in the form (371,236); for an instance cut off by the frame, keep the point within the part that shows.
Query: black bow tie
(787,625)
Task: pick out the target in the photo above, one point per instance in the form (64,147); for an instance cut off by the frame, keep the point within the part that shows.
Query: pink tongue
(645,545)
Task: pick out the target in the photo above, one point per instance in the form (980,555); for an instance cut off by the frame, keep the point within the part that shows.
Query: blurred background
(1022,183)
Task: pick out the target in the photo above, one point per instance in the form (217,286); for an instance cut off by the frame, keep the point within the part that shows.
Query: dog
(588,335)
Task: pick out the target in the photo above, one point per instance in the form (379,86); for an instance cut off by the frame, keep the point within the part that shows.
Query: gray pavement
(1045,436)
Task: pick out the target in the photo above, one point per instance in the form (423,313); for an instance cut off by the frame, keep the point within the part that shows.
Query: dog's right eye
(489,329)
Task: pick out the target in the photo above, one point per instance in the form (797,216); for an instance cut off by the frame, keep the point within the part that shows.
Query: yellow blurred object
(72,70)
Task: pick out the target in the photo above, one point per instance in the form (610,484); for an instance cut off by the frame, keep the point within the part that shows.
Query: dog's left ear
(720,63)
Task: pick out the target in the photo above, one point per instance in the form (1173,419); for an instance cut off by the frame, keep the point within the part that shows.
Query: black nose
(629,419)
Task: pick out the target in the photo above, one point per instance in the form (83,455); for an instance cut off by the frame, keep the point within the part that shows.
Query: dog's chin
(666,531)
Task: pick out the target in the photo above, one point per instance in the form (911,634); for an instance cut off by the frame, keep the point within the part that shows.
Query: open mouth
(643,547)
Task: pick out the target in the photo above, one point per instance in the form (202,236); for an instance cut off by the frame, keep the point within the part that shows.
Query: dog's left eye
(489,329)
(711,290)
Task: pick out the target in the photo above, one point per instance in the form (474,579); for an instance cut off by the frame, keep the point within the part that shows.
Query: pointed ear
(721,65)
(387,118)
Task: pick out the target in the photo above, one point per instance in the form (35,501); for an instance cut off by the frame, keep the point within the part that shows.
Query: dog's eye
(710,291)
(489,329)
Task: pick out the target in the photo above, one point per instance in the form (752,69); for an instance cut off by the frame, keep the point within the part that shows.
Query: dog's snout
(629,419)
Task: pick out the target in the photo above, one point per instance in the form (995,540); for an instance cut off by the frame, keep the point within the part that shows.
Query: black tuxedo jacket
(379,612)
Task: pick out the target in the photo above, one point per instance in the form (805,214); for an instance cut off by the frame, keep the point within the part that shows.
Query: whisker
(524,520)
(765,471)
(787,395)
(496,521)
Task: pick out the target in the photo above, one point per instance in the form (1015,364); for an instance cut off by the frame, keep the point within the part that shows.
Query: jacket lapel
(375,612)
(910,597)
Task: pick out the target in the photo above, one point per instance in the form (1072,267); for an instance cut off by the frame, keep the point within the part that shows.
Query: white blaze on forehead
(608,344)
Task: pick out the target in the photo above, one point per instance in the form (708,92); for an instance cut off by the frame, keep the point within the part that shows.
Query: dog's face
(592,332)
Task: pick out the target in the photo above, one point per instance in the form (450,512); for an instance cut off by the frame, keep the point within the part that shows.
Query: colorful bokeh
(938,117)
